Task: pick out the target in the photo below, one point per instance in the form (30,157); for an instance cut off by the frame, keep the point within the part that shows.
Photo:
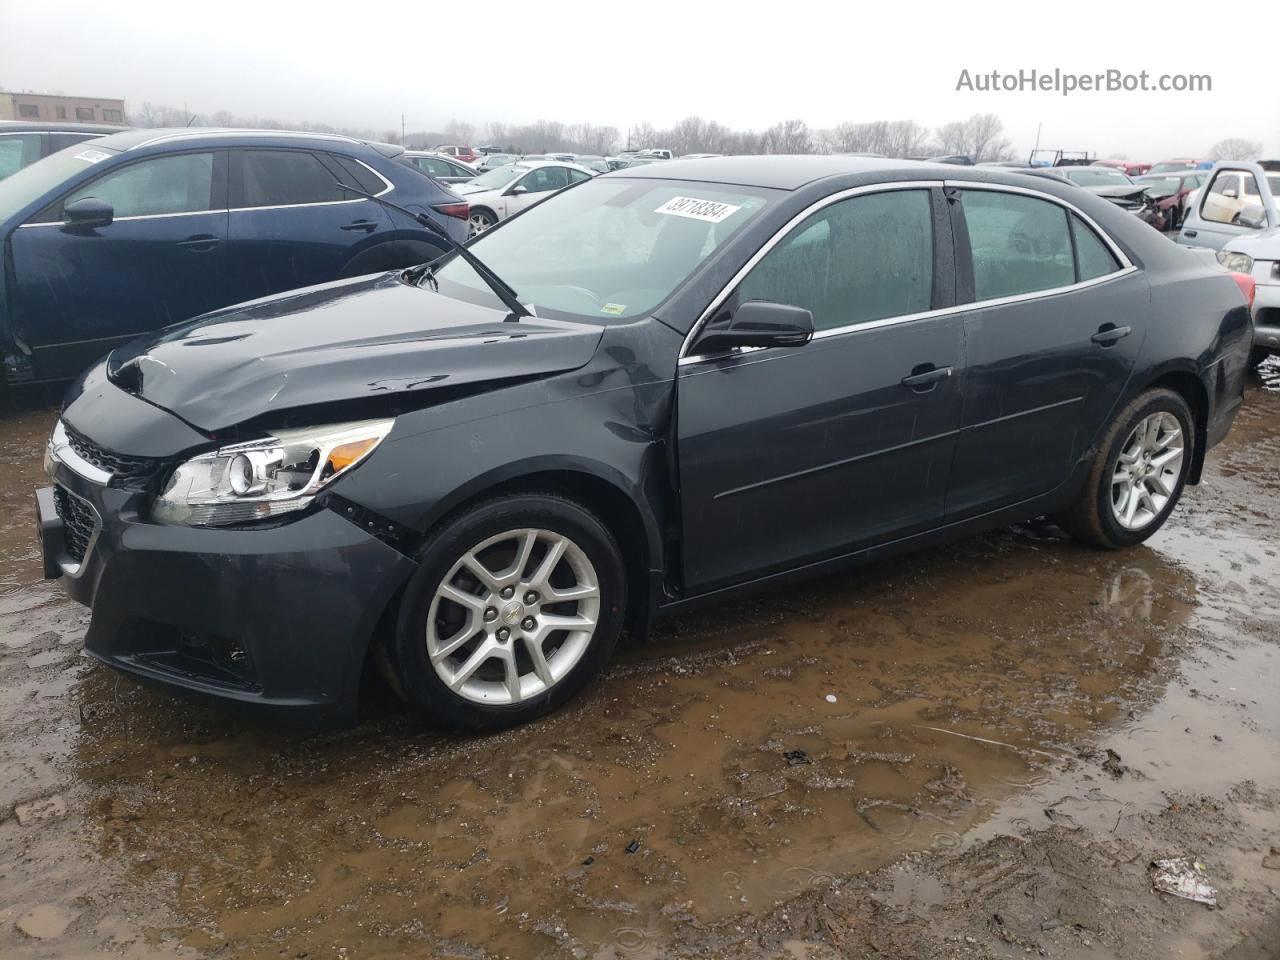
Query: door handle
(1190,233)
(201,243)
(925,377)
(1108,335)
(368,226)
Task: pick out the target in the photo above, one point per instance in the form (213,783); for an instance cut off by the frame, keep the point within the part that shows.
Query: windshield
(498,177)
(608,248)
(31,183)
(1160,186)
(1172,166)
(1086,177)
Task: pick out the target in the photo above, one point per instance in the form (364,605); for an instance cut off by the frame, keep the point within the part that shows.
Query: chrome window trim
(1127,267)
(61,451)
(388,186)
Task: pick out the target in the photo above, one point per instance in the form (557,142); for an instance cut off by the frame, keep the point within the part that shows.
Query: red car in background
(459,150)
(1169,192)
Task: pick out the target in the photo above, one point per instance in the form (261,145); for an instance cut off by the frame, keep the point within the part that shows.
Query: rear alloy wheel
(480,221)
(1138,473)
(516,605)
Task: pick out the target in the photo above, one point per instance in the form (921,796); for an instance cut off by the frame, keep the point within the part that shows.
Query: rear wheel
(517,604)
(1138,473)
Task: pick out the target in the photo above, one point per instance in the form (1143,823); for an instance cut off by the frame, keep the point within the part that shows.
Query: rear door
(79,292)
(790,455)
(1059,317)
(290,226)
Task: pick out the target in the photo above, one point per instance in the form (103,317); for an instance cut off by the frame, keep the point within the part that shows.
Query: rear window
(1020,244)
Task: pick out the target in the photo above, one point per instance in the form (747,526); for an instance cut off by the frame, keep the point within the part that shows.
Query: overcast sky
(625,61)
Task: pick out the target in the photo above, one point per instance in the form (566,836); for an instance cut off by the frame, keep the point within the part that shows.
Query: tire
(464,629)
(481,220)
(1102,515)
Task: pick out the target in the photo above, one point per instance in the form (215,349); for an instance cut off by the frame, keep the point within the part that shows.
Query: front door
(79,292)
(538,184)
(789,455)
(1057,324)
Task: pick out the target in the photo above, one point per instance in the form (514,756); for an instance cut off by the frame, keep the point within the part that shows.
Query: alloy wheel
(479,224)
(1147,472)
(513,616)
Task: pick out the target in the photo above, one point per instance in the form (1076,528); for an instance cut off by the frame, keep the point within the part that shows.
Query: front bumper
(278,616)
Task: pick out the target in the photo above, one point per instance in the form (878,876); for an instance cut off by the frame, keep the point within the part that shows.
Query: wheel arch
(389,255)
(1187,383)
(602,490)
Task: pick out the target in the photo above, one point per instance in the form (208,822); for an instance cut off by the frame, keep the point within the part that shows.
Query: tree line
(980,136)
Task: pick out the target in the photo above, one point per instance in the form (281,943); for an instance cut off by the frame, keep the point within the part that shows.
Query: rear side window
(1020,244)
(180,183)
(276,178)
(59,141)
(358,175)
(862,259)
(1093,259)
(17,151)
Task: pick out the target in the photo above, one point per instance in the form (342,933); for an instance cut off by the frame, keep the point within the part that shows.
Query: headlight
(265,478)
(1236,262)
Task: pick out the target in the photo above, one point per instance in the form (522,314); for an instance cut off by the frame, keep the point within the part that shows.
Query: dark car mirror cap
(88,212)
(758,323)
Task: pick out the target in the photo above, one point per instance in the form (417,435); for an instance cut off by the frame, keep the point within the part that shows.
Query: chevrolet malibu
(655,389)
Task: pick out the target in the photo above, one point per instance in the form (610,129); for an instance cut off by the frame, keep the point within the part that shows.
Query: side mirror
(1231,192)
(88,212)
(757,323)
(518,189)
(1255,218)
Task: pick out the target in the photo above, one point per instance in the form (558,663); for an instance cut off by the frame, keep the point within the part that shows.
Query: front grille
(78,521)
(131,472)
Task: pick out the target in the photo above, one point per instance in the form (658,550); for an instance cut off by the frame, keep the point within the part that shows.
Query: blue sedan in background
(106,240)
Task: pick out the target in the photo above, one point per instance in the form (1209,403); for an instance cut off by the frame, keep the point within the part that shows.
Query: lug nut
(503,634)
(528,623)
(508,593)
(530,597)
(490,613)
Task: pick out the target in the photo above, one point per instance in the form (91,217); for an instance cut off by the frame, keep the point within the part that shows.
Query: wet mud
(971,751)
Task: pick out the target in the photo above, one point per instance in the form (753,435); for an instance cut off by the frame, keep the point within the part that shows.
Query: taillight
(460,210)
(1248,286)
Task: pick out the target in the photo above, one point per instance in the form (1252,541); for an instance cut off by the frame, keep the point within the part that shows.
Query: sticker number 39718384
(711,211)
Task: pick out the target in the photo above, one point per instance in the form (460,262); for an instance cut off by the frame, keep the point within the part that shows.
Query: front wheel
(516,605)
(1138,473)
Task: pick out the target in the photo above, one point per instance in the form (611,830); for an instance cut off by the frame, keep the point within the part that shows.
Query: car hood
(1263,245)
(470,189)
(350,340)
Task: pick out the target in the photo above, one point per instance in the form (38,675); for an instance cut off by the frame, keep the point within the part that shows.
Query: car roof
(530,164)
(140,137)
(58,126)
(779,172)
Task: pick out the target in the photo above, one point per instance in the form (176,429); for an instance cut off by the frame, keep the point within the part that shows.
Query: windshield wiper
(503,291)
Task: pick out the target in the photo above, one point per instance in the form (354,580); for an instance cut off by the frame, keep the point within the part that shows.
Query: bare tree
(951,138)
(789,136)
(1235,148)
(459,131)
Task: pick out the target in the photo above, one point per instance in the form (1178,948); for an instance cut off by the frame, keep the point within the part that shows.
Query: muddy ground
(974,751)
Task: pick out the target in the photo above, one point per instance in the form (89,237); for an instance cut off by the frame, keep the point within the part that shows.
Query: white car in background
(1239,200)
(506,190)
(437,166)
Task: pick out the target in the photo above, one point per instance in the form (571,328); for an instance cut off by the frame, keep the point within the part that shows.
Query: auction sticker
(710,211)
(92,156)
(614,309)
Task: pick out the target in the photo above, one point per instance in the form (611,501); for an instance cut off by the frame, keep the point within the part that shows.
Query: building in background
(42,106)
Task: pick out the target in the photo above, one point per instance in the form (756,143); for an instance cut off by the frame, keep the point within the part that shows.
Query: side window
(1093,259)
(17,151)
(58,141)
(862,259)
(181,183)
(1020,244)
(577,176)
(358,175)
(434,167)
(543,179)
(1227,198)
(277,178)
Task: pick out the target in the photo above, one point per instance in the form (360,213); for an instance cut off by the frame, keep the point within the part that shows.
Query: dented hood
(354,339)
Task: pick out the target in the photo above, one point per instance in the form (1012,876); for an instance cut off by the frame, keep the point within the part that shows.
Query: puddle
(708,789)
